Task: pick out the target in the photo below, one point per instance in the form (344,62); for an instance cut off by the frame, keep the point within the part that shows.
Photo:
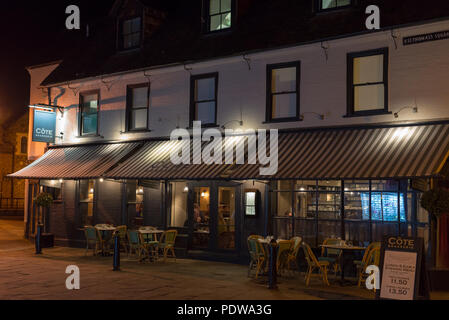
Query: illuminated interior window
(131,33)
(220,14)
(333,4)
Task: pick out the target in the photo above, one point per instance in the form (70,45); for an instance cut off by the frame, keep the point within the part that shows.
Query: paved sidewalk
(23,275)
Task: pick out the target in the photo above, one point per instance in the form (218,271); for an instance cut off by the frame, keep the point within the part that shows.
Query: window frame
(129,107)
(207,17)
(319,6)
(269,93)
(121,36)
(193,102)
(80,112)
(351,87)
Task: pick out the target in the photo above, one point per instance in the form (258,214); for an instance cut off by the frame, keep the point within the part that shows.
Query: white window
(220,14)
(368,81)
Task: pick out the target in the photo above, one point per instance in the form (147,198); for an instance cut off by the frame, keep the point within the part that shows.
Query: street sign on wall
(44,126)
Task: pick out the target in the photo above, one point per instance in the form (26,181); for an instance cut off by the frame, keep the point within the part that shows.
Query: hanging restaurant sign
(44,126)
(402,269)
(440,35)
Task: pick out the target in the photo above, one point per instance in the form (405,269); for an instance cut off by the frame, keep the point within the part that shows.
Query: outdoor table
(104,230)
(152,232)
(344,249)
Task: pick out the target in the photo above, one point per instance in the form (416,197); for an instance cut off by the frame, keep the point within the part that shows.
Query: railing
(12,204)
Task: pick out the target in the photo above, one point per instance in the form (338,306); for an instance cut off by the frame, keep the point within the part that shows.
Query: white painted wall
(418,72)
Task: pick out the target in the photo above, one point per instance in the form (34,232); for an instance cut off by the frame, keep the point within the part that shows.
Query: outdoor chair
(92,238)
(331,255)
(106,242)
(293,255)
(370,257)
(284,249)
(167,243)
(257,253)
(134,243)
(148,249)
(122,232)
(314,263)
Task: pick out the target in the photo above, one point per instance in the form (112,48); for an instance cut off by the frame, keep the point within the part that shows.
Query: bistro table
(106,235)
(345,248)
(153,232)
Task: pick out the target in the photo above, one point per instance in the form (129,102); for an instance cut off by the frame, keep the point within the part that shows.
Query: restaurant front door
(215,216)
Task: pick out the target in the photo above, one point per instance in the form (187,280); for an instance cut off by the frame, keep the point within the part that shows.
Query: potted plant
(44,200)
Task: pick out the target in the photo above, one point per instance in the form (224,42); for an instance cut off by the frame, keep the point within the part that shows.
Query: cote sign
(44,126)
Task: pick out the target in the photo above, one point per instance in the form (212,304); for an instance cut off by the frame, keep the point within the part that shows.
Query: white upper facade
(418,77)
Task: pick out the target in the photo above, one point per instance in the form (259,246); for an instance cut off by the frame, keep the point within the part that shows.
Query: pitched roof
(266,24)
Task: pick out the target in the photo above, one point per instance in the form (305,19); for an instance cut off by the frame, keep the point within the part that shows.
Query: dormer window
(333,4)
(131,33)
(219,14)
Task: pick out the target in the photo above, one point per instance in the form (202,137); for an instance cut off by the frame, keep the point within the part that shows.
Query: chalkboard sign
(403,273)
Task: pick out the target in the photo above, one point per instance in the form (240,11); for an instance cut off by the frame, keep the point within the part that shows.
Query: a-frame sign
(403,274)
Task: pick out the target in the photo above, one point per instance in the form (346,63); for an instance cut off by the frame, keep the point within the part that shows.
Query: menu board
(398,280)
(402,269)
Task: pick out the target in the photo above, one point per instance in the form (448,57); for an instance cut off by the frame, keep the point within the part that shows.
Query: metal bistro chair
(293,255)
(91,234)
(332,255)
(134,243)
(257,255)
(284,250)
(167,243)
(370,257)
(313,264)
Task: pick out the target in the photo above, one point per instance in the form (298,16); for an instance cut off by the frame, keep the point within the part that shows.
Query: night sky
(33,32)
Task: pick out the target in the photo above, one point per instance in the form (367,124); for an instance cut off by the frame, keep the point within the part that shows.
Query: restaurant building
(362,117)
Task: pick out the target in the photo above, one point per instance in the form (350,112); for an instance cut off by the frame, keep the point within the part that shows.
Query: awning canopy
(76,162)
(338,153)
(381,152)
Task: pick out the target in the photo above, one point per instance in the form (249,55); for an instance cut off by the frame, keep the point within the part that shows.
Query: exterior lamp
(186,189)
(61,181)
(101,180)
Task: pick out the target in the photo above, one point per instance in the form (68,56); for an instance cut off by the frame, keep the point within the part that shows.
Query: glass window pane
(140,97)
(329,205)
(179,205)
(89,124)
(214,7)
(354,205)
(284,106)
(90,103)
(135,25)
(205,89)
(215,23)
(205,112)
(327,4)
(370,97)
(283,80)
(342,3)
(139,119)
(368,69)
(225,5)
(127,27)
(305,204)
(226,20)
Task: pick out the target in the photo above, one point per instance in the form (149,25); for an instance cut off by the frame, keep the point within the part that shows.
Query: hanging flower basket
(44,200)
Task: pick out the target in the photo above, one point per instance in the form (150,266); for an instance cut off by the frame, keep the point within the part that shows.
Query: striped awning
(338,153)
(403,151)
(76,162)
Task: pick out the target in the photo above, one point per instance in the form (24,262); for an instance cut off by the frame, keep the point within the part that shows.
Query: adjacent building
(362,115)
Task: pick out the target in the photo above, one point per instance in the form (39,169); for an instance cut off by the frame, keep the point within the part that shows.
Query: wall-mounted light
(186,189)
(61,181)
(240,122)
(91,191)
(101,180)
(414,110)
